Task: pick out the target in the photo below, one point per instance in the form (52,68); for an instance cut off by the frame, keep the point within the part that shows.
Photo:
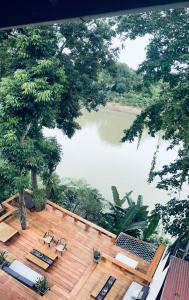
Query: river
(96,154)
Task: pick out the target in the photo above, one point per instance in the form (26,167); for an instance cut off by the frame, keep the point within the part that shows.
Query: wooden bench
(99,285)
(6,232)
(40,263)
(117,291)
(37,261)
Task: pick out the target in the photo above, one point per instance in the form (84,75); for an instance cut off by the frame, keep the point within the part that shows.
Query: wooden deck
(74,275)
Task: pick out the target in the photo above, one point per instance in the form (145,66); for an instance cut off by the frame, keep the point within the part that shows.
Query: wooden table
(6,232)
(115,293)
(40,262)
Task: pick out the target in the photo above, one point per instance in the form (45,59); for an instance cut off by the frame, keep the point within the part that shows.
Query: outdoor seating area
(73,275)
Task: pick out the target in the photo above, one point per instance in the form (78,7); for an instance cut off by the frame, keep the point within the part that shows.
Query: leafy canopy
(166,60)
(47,75)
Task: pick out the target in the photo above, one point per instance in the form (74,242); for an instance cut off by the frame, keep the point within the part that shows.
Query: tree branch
(25,133)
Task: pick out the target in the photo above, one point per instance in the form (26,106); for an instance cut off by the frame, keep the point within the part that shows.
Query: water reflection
(110,124)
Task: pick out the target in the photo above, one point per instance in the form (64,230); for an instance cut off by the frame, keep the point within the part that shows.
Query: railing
(77,218)
(8,207)
(137,273)
(147,277)
(87,223)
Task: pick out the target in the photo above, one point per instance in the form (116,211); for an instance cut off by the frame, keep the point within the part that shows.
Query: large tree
(166,60)
(48,73)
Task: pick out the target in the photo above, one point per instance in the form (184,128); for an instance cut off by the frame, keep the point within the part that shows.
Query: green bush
(42,285)
(39,199)
(3,255)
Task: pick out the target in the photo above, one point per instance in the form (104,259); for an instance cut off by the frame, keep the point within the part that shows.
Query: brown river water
(96,154)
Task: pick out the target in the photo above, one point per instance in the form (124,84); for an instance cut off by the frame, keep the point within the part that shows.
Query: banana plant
(116,198)
(133,218)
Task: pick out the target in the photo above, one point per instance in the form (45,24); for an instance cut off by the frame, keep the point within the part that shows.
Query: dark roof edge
(42,17)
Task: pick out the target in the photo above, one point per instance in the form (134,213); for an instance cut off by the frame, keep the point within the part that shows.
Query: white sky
(134,51)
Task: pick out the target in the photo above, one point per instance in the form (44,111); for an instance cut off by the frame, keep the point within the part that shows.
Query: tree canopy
(167,59)
(47,75)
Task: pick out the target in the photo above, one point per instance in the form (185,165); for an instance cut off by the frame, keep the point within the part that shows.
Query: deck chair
(61,245)
(48,237)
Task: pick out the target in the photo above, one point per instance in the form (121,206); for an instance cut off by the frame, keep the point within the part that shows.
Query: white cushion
(133,291)
(127,260)
(134,294)
(25,271)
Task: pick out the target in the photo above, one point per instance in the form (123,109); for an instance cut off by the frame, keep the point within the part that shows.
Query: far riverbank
(122,108)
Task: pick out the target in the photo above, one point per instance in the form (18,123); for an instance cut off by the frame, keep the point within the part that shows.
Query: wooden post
(155,260)
(113,239)
(75,220)
(64,214)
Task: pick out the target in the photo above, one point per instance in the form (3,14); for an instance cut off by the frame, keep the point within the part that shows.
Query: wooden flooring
(74,275)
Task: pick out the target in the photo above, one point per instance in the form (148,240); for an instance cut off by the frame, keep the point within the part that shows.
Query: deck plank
(74,275)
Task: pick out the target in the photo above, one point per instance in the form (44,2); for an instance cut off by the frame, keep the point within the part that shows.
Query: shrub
(39,199)
(42,285)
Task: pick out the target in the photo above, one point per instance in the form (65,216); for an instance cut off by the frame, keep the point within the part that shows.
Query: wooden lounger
(115,293)
(6,232)
(99,285)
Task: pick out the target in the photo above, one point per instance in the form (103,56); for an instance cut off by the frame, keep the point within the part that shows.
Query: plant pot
(40,207)
(1,266)
(4,264)
(42,293)
(96,260)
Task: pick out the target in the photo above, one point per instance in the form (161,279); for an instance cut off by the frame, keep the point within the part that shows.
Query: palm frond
(151,227)
(141,225)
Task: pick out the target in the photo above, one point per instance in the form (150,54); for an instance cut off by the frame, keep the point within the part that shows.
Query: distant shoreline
(122,108)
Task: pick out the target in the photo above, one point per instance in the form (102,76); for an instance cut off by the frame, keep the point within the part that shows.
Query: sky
(134,51)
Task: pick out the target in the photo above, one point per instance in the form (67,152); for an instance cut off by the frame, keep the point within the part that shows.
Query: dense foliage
(127,87)
(167,61)
(130,216)
(175,217)
(47,74)
(80,198)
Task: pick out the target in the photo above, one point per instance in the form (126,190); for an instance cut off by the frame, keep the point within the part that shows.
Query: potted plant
(96,255)
(42,285)
(3,255)
(39,199)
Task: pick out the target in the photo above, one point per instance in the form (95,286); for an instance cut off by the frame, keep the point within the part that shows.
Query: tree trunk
(22,210)
(22,204)
(34,180)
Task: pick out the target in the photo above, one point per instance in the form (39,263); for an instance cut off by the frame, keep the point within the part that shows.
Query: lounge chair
(48,237)
(61,245)
(23,273)
(136,292)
